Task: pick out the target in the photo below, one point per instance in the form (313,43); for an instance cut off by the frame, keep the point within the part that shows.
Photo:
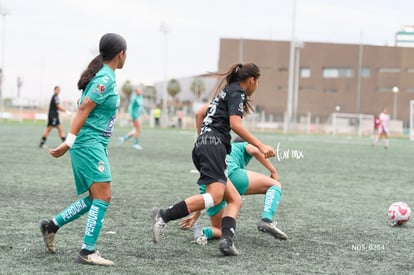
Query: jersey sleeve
(236,103)
(99,89)
(56,98)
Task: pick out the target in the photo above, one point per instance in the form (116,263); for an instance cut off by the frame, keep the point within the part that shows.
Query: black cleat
(227,247)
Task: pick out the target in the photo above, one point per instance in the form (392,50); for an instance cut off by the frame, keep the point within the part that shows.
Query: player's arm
(237,126)
(253,151)
(199,117)
(61,108)
(80,117)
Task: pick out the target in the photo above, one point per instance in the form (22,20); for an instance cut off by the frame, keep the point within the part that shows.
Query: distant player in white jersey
(383,128)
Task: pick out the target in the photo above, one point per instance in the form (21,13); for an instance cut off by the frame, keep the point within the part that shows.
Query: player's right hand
(59,151)
(267,151)
(187,222)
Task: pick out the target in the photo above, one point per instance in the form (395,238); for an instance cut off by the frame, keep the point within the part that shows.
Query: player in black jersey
(224,113)
(53,117)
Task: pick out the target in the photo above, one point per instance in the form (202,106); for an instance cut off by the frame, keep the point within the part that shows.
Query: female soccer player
(224,113)
(247,183)
(53,117)
(87,140)
(382,128)
(135,110)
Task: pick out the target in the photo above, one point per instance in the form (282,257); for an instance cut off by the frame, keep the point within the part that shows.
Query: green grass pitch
(333,208)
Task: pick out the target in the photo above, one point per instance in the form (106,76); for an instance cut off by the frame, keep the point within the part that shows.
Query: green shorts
(239,179)
(90,165)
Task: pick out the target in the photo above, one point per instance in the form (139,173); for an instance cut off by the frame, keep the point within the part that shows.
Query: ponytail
(94,66)
(239,72)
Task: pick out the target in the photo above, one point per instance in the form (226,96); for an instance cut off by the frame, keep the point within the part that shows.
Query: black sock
(178,210)
(52,227)
(228,227)
(42,141)
(266,220)
(85,252)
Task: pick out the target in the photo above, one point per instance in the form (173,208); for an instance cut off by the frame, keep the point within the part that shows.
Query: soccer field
(336,192)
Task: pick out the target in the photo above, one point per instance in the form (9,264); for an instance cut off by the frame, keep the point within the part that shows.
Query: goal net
(352,124)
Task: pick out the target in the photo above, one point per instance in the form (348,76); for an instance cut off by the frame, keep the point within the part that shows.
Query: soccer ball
(399,213)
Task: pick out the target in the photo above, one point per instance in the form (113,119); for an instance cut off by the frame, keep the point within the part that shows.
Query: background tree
(173,88)
(198,87)
(126,93)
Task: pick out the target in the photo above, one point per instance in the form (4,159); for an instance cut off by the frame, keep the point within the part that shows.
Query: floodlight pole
(289,106)
(395,90)
(165,29)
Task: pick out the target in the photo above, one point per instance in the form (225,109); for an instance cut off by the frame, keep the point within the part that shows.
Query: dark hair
(109,46)
(237,73)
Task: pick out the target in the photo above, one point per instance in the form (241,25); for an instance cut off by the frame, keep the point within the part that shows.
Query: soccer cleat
(271,228)
(93,259)
(48,236)
(158,224)
(199,237)
(137,146)
(227,247)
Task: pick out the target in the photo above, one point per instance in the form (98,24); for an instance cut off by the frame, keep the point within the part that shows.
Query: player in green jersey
(135,110)
(87,141)
(224,113)
(247,183)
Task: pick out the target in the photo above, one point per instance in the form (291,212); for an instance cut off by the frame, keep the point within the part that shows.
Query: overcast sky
(49,42)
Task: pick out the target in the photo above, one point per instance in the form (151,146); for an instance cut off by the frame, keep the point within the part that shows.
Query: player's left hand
(59,151)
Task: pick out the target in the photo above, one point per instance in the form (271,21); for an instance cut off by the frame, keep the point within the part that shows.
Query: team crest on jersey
(101,167)
(99,89)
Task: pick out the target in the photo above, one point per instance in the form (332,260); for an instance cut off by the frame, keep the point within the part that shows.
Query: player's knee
(209,201)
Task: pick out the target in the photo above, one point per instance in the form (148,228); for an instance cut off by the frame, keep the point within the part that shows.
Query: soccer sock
(73,211)
(208,232)
(94,223)
(228,227)
(178,210)
(271,202)
(136,140)
(42,141)
(387,142)
(126,137)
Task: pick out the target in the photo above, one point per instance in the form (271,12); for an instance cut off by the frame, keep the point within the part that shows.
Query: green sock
(94,224)
(126,137)
(136,140)
(271,202)
(208,232)
(73,211)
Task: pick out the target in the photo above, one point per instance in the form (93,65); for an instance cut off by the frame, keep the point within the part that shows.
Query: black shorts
(209,157)
(53,121)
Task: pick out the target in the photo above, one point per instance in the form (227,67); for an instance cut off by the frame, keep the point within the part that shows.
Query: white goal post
(352,124)
(411,119)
